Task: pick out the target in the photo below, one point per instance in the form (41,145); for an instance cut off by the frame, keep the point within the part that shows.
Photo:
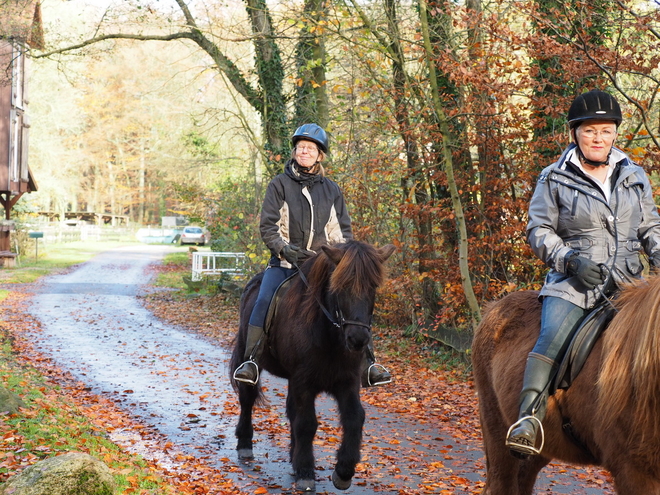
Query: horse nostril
(357,339)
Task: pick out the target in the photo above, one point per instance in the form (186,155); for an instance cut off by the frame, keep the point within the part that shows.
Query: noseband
(343,321)
(339,321)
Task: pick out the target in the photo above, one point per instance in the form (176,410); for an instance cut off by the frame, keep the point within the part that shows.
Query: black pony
(316,340)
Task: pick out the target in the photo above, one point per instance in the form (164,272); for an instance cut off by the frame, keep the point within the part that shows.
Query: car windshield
(193,230)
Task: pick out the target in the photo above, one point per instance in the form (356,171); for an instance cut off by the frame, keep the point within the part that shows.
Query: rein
(340,321)
(604,269)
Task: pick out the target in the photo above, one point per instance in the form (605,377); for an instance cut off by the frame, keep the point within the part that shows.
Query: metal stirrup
(245,380)
(378,367)
(526,449)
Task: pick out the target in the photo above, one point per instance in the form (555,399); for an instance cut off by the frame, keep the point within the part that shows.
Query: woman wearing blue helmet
(302,211)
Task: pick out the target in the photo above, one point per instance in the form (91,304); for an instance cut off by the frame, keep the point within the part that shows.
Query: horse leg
(505,474)
(528,472)
(630,481)
(291,415)
(351,415)
(302,417)
(247,395)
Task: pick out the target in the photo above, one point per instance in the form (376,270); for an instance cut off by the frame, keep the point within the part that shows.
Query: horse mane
(629,380)
(359,272)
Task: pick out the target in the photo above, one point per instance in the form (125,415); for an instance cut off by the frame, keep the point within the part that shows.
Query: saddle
(581,345)
(277,297)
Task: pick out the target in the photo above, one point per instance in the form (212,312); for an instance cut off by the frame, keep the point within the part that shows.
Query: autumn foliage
(441,115)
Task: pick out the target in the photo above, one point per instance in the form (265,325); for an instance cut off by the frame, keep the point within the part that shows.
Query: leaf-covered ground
(422,391)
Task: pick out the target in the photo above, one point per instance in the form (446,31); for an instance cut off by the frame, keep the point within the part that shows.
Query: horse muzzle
(357,335)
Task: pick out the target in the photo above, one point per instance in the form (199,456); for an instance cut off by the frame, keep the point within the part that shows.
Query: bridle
(339,322)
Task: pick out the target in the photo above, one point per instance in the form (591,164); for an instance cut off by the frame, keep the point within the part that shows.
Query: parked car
(195,235)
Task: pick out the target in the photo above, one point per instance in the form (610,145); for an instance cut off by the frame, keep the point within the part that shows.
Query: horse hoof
(305,485)
(245,454)
(339,483)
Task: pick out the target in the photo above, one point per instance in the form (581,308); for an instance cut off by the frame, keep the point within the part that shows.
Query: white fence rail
(210,263)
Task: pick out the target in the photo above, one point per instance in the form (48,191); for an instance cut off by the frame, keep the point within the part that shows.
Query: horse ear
(386,251)
(334,254)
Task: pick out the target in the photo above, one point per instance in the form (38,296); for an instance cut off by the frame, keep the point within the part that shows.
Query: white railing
(216,264)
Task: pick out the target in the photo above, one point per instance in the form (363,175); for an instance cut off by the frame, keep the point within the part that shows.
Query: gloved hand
(588,272)
(290,253)
(655,262)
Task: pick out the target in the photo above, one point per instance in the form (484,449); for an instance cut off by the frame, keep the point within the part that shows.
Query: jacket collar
(618,157)
(292,170)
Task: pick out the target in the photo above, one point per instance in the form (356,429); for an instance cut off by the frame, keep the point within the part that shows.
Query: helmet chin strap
(586,160)
(593,163)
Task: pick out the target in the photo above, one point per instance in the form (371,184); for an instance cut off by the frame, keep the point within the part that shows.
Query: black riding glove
(655,262)
(290,253)
(588,272)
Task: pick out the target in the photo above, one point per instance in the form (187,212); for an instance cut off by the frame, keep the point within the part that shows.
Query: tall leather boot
(521,438)
(248,371)
(373,374)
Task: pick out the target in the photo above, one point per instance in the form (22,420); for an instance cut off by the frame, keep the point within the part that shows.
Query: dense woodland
(441,115)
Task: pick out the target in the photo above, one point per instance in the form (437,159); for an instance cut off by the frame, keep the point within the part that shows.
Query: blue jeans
(273,277)
(559,321)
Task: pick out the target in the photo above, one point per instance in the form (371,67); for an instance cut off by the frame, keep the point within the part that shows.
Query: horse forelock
(360,271)
(629,381)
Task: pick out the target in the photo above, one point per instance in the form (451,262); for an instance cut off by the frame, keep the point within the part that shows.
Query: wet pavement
(94,327)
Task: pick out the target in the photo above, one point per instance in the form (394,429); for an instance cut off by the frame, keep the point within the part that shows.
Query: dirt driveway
(174,382)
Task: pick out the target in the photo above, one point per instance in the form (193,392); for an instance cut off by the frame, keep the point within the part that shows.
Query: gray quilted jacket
(569,213)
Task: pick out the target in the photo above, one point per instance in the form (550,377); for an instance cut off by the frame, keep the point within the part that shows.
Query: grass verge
(53,258)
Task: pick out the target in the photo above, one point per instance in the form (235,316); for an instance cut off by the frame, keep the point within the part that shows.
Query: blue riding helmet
(311,132)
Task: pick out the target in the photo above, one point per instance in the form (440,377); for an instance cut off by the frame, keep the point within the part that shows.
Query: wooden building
(20,29)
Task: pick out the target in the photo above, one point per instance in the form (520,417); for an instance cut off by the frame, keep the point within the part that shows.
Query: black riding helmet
(311,132)
(594,105)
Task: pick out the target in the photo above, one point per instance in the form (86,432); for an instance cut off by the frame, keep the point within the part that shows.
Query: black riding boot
(521,438)
(248,371)
(373,374)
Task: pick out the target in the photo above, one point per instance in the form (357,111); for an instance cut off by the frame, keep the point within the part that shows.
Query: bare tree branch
(223,63)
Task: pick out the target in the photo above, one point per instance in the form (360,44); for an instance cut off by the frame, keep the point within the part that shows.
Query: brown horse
(613,406)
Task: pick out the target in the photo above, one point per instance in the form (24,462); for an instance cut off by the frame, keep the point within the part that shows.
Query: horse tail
(629,380)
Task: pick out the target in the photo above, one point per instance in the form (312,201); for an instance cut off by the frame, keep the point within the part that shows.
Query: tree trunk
(446,148)
(311,103)
(271,77)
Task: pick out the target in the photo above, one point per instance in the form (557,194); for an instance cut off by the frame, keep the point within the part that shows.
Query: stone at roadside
(72,473)
(9,402)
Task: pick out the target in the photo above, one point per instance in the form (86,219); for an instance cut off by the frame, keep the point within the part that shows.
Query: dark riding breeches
(559,321)
(273,277)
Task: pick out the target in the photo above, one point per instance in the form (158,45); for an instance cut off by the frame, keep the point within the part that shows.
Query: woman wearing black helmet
(591,214)
(302,211)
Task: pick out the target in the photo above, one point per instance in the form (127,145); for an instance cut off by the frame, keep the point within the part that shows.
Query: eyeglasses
(307,149)
(592,133)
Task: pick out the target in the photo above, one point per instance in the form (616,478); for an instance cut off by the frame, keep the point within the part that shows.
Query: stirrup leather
(380,369)
(245,380)
(526,449)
